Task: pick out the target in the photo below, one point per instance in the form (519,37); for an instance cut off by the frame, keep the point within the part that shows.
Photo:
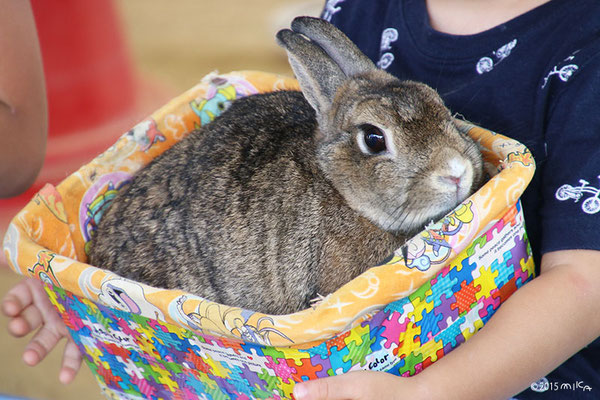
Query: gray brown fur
(274,203)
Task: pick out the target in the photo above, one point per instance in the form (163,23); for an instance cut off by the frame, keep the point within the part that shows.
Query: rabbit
(287,196)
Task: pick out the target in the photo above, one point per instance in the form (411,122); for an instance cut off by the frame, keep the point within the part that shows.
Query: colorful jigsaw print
(137,357)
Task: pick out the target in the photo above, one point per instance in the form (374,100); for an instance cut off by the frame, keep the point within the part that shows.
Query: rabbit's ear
(340,48)
(319,76)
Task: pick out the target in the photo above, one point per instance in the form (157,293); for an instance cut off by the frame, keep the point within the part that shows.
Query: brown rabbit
(289,195)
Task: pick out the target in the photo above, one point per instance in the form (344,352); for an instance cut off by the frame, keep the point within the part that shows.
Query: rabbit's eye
(374,138)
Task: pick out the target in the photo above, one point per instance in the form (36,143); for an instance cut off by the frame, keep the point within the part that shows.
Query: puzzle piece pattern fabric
(144,342)
(137,357)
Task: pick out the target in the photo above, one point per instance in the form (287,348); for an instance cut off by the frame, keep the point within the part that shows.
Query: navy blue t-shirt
(535,78)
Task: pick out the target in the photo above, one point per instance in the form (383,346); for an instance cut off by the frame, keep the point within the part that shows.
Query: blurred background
(108,64)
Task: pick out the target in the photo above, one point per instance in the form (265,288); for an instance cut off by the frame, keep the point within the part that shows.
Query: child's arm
(23,110)
(533,332)
(29,308)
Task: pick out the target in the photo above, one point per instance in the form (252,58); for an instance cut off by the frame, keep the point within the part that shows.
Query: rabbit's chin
(412,222)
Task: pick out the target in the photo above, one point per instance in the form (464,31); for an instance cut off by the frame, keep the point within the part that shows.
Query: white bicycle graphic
(590,205)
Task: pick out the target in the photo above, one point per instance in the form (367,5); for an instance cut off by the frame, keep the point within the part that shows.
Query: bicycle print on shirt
(590,205)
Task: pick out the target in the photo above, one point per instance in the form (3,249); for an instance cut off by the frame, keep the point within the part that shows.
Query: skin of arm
(534,331)
(23,108)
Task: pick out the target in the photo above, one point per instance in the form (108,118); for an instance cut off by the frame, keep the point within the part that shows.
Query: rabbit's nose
(456,180)
(456,185)
(452,180)
(456,171)
(456,176)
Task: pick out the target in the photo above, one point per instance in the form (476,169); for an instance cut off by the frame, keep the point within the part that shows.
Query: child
(528,69)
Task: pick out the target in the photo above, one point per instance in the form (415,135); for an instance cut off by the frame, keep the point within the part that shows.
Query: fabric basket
(400,317)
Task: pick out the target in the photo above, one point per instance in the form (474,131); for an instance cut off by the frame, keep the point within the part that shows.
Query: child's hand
(29,308)
(361,385)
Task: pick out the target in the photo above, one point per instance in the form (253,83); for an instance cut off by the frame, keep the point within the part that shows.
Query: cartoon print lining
(590,205)
(145,134)
(400,317)
(220,94)
(42,269)
(97,199)
(439,237)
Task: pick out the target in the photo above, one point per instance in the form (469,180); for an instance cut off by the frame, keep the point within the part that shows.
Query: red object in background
(87,68)
(90,86)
